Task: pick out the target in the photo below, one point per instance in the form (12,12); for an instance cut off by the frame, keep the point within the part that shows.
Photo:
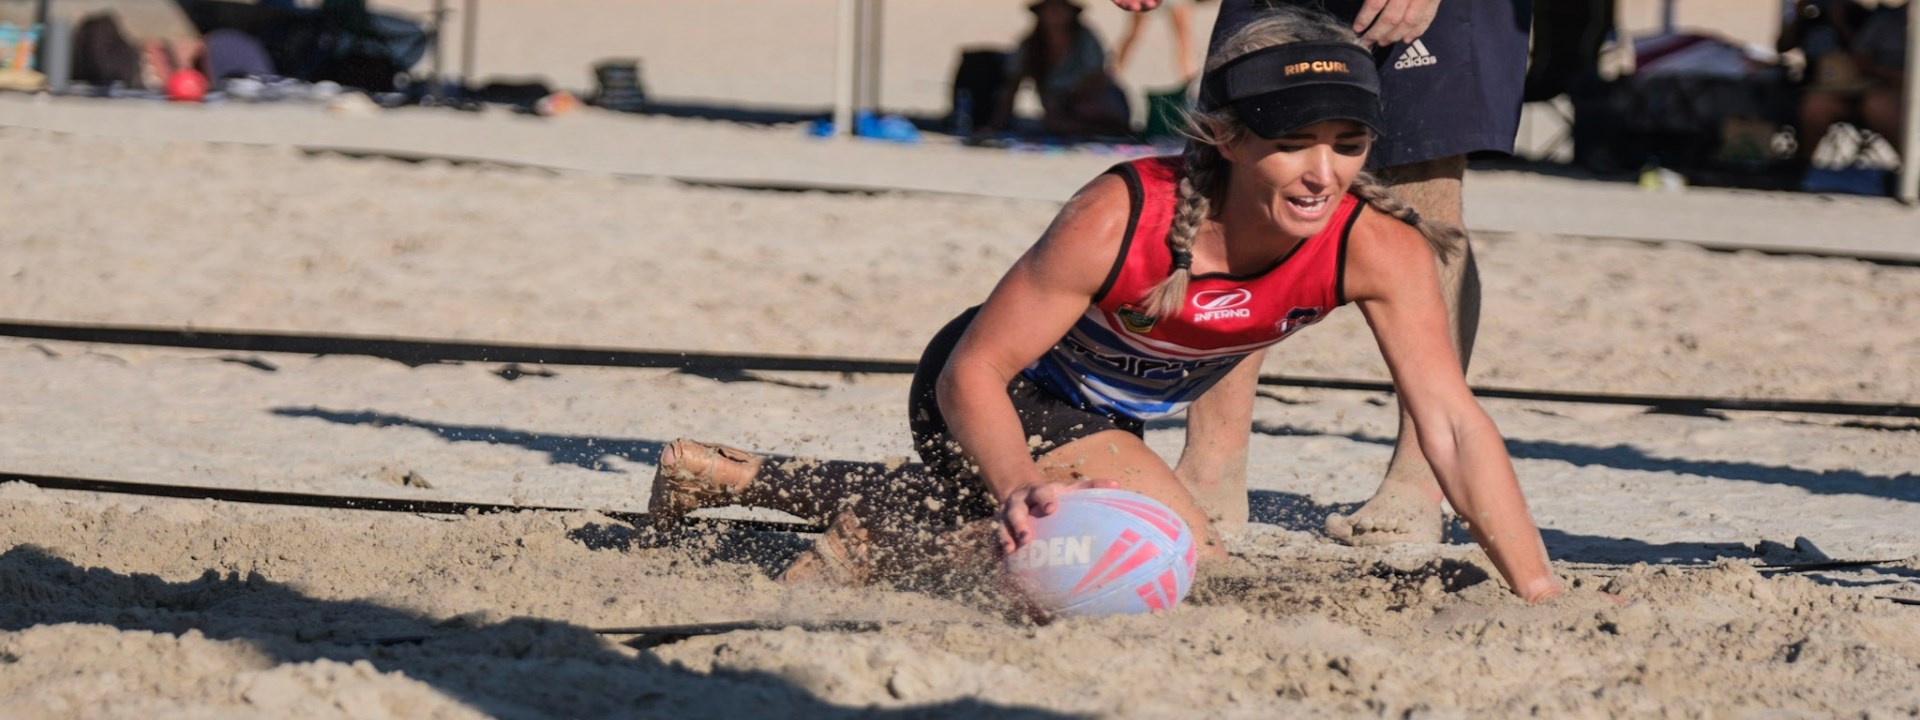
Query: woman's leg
(894,539)
(1123,457)
(901,520)
(693,475)
(880,519)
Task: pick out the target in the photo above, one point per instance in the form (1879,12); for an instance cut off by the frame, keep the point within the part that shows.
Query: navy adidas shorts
(1454,91)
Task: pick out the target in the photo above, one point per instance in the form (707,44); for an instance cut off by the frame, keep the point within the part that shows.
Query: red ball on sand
(186,85)
(1104,552)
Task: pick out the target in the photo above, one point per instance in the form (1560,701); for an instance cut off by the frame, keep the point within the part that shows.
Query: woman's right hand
(1038,499)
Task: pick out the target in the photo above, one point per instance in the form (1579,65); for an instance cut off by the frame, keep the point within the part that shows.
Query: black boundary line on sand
(353,502)
(418,351)
(359,153)
(647,636)
(847,189)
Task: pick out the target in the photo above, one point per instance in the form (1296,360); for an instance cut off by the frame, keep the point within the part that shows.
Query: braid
(1444,238)
(1193,204)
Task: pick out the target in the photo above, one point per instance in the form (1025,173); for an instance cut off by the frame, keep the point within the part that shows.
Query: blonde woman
(1142,300)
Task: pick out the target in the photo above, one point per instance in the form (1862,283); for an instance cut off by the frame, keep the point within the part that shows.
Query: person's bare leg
(970,552)
(864,505)
(1181,13)
(1213,465)
(1406,507)
(1881,110)
(1818,112)
(878,519)
(710,475)
(1136,22)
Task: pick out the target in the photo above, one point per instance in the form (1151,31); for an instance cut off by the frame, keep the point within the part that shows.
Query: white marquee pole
(1909,192)
(843,69)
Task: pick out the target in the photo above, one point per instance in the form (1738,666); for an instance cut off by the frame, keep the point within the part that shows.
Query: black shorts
(1047,420)
(1454,91)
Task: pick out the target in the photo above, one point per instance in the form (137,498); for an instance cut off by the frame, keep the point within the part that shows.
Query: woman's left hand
(1031,501)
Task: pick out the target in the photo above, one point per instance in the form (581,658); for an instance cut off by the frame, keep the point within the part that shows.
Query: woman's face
(1297,180)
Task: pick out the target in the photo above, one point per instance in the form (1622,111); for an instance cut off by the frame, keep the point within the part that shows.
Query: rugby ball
(1104,552)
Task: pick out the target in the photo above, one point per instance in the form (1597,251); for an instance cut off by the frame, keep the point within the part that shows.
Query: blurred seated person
(1068,67)
(1856,57)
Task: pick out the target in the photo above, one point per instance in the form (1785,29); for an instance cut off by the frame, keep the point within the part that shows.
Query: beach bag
(977,84)
(102,55)
(232,53)
(619,86)
(1166,112)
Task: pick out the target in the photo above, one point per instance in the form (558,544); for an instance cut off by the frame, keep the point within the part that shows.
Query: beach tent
(856,80)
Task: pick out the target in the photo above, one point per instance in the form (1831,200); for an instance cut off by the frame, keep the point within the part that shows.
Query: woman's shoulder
(1381,248)
(1152,170)
(1080,245)
(1381,229)
(1098,209)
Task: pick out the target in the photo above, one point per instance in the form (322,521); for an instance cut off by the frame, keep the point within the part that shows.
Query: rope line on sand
(796,185)
(655,635)
(356,502)
(423,351)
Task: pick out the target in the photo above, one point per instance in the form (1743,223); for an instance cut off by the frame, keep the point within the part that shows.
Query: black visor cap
(1276,114)
(1280,89)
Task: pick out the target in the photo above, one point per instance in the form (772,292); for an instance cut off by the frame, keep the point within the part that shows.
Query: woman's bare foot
(1393,515)
(694,475)
(842,556)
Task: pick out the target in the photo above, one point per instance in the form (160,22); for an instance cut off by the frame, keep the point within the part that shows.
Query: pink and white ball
(1104,552)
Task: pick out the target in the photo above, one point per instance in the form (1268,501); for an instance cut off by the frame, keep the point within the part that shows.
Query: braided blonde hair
(1207,170)
(1446,239)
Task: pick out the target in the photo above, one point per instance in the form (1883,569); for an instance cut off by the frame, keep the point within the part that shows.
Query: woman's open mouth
(1310,207)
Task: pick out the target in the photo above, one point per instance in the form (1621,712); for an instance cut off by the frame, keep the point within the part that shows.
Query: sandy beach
(1720,530)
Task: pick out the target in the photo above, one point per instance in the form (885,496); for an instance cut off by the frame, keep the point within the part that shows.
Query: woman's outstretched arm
(1034,305)
(1391,275)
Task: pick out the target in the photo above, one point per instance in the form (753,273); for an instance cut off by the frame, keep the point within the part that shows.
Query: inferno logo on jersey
(1216,304)
(1135,321)
(1298,318)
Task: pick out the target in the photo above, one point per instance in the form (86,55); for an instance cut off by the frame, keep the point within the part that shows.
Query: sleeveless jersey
(1120,361)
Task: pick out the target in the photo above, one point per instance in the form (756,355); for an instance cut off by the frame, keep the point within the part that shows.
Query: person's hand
(1384,22)
(1037,500)
(1136,5)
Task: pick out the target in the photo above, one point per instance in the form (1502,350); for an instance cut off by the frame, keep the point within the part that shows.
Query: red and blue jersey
(1121,361)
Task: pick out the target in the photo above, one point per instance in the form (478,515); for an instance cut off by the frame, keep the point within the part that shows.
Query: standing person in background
(1179,14)
(1451,77)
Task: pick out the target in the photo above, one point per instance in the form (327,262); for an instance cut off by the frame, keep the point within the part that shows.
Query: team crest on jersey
(1135,320)
(1298,318)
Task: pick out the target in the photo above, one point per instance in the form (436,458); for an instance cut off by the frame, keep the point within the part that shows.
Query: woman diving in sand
(1140,301)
